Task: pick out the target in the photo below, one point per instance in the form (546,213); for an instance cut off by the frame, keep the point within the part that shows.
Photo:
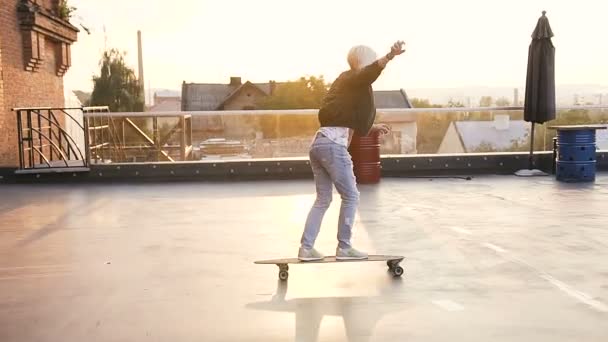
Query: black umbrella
(539,106)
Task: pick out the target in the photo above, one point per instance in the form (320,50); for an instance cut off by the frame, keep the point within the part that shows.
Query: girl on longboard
(347,107)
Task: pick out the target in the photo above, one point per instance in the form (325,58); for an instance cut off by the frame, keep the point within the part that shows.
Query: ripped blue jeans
(331,165)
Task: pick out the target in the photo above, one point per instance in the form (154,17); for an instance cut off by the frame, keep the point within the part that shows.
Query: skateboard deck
(392,261)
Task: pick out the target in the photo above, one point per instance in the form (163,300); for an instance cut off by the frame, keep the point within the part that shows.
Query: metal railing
(254,134)
(45,143)
(254,112)
(138,137)
(104,140)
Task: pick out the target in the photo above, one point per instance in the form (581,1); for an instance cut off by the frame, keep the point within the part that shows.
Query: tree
(305,93)
(116,86)
(431,126)
(455,104)
(423,103)
(64,10)
(486,101)
(503,102)
(543,136)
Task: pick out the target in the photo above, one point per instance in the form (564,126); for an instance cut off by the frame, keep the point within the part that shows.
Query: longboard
(392,261)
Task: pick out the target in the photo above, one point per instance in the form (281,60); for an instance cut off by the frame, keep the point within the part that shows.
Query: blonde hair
(361,56)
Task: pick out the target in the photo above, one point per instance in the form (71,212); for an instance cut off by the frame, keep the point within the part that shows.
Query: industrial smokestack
(141,65)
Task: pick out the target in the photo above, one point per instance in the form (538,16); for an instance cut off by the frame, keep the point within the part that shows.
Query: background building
(34,56)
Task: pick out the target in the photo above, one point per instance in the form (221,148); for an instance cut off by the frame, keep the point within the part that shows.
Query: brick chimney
(273,86)
(235,81)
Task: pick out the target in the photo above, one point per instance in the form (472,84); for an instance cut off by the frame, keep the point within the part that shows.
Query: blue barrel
(576,155)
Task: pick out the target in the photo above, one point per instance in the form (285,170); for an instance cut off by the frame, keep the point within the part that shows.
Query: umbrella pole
(531,161)
(531,171)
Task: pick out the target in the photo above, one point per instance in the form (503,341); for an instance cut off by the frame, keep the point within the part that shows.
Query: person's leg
(319,154)
(346,184)
(344,179)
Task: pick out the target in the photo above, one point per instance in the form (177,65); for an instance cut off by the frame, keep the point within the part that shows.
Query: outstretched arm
(396,50)
(370,73)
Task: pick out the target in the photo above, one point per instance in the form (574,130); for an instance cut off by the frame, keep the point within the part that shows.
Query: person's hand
(397,48)
(382,128)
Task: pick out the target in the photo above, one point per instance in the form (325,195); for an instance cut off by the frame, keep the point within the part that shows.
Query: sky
(448,43)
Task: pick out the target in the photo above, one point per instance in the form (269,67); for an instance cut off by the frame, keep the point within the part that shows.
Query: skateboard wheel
(392,264)
(397,271)
(283,275)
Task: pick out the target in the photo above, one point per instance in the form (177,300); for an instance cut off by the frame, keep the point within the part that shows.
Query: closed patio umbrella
(539,106)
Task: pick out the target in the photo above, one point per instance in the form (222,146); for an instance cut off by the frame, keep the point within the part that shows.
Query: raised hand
(381,128)
(398,48)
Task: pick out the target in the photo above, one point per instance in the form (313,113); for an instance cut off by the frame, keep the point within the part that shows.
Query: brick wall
(50,4)
(20,88)
(3,122)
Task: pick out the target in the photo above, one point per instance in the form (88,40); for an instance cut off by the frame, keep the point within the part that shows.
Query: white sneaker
(309,254)
(350,254)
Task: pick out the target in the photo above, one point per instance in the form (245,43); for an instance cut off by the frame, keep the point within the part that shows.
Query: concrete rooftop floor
(492,259)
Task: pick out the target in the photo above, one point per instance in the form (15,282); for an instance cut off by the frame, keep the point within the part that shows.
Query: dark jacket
(350,100)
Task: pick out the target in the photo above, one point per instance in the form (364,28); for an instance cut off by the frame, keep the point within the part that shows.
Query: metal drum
(365,152)
(576,155)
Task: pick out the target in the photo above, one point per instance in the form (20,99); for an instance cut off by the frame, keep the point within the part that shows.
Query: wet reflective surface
(491,259)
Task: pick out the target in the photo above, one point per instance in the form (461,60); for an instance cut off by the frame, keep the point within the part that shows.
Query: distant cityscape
(567,95)
(218,137)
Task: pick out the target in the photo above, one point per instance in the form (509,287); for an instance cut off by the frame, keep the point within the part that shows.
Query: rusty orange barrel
(365,152)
